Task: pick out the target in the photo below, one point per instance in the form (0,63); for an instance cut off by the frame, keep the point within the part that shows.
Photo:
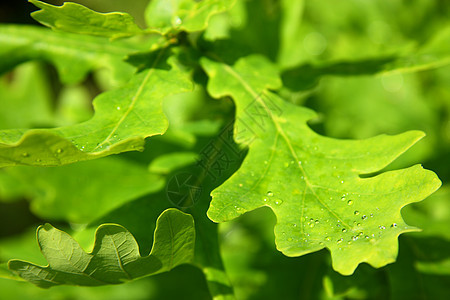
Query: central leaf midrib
(254,94)
(119,259)
(133,102)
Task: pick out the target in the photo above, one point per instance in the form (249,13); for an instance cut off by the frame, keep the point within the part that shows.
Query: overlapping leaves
(74,56)
(123,119)
(115,257)
(313,183)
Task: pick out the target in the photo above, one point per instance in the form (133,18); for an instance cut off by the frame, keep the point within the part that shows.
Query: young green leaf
(313,183)
(115,257)
(188,15)
(123,119)
(76,18)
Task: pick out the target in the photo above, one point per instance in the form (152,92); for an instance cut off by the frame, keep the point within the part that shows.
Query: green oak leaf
(76,18)
(115,257)
(312,183)
(73,55)
(123,118)
(183,15)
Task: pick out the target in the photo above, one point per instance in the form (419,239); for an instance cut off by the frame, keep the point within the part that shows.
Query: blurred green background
(314,38)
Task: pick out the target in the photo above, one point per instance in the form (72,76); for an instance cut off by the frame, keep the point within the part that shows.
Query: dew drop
(349,242)
(25,154)
(294,225)
(356,212)
(394,225)
(265,199)
(371,215)
(364,217)
(59,151)
(178,21)
(118,107)
(269,193)
(278,202)
(311,225)
(344,230)
(359,224)
(38,160)
(240,184)
(354,237)
(343,198)
(327,238)
(361,233)
(342,181)
(349,202)
(340,241)
(381,227)
(316,221)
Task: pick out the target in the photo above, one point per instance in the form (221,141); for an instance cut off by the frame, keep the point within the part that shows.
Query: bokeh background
(338,48)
